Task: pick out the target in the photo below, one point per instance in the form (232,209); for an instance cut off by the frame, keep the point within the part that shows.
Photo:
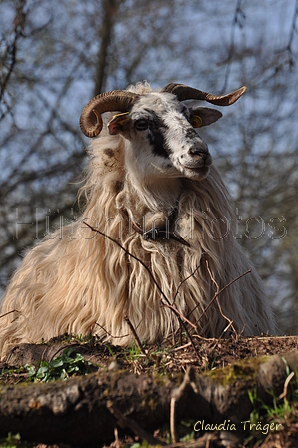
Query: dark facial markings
(158,143)
(191,134)
(156,129)
(155,133)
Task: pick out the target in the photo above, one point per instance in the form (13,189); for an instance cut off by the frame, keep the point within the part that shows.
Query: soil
(210,353)
(168,360)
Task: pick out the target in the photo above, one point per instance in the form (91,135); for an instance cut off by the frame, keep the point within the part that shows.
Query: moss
(152,402)
(244,369)
(161,378)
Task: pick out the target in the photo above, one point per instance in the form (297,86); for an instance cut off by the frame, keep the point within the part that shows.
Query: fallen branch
(78,411)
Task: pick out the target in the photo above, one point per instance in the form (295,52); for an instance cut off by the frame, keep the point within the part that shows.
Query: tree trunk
(84,411)
(110,8)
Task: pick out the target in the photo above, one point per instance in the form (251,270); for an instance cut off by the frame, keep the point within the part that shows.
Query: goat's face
(163,141)
(159,128)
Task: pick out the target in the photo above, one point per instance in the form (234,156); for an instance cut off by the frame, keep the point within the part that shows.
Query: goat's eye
(141,125)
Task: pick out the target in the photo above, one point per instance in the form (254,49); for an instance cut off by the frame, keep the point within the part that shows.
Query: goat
(151,188)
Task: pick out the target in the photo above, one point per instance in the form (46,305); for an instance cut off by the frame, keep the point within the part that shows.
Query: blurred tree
(262,168)
(54,56)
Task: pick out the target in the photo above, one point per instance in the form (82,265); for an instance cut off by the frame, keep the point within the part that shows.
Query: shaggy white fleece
(84,282)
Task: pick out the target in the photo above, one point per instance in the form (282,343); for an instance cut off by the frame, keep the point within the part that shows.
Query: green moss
(152,402)
(244,369)
(161,378)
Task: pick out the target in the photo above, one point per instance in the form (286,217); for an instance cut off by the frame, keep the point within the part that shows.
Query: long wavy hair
(80,281)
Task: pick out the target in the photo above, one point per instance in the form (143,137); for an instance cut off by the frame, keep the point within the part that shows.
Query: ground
(208,355)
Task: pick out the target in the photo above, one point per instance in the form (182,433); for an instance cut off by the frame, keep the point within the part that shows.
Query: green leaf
(41,372)
(57,362)
(31,370)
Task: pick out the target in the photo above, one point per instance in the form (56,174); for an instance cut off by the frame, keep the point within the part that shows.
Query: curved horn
(188,93)
(116,100)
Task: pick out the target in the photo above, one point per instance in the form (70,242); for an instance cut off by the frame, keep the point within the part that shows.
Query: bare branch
(110,334)
(236,22)
(168,305)
(289,47)
(219,292)
(9,59)
(9,312)
(171,307)
(218,304)
(184,280)
(126,318)
(131,255)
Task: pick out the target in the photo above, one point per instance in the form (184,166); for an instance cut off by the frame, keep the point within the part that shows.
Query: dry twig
(9,312)
(182,319)
(110,334)
(131,255)
(284,394)
(189,381)
(218,304)
(236,21)
(173,419)
(184,280)
(172,308)
(139,344)
(219,292)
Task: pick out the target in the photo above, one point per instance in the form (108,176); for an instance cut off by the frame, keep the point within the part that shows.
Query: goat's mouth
(197,167)
(197,173)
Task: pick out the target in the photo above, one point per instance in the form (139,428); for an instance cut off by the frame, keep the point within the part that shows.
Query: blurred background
(54,56)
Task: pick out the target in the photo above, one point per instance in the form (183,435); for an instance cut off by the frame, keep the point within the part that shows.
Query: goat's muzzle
(195,162)
(198,158)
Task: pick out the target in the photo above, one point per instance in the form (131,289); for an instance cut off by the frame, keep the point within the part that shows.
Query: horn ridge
(184,92)
(115,100)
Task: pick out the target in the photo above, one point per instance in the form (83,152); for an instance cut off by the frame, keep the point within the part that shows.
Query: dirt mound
(210,353)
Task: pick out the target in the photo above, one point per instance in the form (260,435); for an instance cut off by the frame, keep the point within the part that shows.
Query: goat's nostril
(197,158)
(198,155)
(198,152)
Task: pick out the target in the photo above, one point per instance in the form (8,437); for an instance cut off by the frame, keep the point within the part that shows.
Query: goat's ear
(115,126)
(203,116)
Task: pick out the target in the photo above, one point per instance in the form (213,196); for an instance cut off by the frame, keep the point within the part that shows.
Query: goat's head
(160,127)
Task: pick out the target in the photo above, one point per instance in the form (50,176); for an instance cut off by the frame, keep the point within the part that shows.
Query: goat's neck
(151,200)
